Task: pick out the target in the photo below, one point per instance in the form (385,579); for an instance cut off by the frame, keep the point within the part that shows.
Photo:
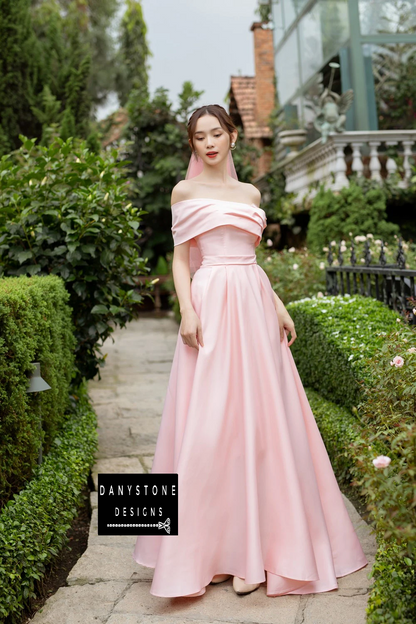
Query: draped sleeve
(193,217)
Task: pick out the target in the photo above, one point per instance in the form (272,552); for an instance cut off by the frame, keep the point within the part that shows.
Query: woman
(258,499)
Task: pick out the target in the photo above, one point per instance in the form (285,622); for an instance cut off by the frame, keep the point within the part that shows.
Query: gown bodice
(205,222)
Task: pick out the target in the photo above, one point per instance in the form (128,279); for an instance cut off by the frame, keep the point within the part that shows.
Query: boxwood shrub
(35,326)
(335,335)
(34,523)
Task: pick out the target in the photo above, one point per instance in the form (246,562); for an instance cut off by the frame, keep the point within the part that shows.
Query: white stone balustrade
(326,163)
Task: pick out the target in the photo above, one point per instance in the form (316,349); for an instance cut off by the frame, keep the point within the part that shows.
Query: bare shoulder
(253,193)
(180,192)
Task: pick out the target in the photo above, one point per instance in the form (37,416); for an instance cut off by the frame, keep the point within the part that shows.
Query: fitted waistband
(218,260)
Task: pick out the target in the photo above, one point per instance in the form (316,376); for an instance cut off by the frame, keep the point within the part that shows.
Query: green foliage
(351,212)
(33,525)
(35,326)
(351,448)
(387,414)
(59,60)
(64,210)
(158,153)
(392,597)
(395,85)
(294,273)
(133,52)
(19,66)
(382,424)
(335,335)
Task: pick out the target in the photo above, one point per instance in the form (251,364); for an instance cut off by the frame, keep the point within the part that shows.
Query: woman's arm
(285,321)
(190,330)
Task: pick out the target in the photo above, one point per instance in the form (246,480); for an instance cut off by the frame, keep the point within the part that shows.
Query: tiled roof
(243,104)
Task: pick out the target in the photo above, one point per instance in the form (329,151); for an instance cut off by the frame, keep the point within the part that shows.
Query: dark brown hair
(211,109)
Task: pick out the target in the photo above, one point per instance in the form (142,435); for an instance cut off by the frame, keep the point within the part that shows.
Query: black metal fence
(391,283)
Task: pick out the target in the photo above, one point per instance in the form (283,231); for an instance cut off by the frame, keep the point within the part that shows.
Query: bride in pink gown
(258,499)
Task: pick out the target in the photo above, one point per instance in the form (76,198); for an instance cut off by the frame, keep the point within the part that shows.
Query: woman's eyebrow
(213,129)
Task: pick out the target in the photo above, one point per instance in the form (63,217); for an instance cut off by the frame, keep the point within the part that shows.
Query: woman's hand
(287,325)
(191,329)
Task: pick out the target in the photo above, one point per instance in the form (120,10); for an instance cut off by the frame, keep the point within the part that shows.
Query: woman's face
(210,137)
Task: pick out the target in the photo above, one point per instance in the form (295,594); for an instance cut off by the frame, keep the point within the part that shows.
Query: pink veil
(195,167)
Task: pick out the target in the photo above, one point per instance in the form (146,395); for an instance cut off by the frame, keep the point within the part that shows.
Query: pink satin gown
(258,497)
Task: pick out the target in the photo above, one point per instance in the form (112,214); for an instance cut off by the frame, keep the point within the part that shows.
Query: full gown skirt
(257,495)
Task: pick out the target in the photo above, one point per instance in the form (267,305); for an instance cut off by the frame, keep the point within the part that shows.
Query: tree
(19,74)
(133,52)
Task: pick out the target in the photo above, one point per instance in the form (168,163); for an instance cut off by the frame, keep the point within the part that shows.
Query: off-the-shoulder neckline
(214,200)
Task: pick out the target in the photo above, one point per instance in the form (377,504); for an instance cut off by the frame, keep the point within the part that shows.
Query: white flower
(370,236)
(320,294)
(325,249)
(322,265)
(397,361)
(268,259)
(269,242)
(295,266)
(292,249)
(382,461)
(333,243)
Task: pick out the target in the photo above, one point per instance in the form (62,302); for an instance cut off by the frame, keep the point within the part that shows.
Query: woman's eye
(215,135)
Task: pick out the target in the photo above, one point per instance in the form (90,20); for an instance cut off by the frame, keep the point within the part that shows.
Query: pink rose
(382,461)
(397,361)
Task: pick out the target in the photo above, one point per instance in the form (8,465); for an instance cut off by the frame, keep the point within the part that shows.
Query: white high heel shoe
(220,578)
(240,587)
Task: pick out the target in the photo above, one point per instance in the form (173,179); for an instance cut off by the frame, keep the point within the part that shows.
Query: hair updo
(211,109)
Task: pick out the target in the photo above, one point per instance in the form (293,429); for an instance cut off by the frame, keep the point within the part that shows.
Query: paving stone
(108,563)
(336,609)
(87,604)
(127,465)
(218,599)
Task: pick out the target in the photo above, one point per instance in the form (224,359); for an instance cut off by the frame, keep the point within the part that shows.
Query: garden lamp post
(37,384)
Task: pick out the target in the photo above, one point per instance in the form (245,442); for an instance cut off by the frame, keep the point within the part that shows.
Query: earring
(233,146)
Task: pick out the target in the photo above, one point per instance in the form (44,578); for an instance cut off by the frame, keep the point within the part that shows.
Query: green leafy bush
(351,212)
(35,326)
(33,525)
(64,210)
(335,335)
(293,273)
(383,424)
(392,598)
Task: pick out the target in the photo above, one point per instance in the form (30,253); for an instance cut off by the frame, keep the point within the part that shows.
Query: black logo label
(137,504)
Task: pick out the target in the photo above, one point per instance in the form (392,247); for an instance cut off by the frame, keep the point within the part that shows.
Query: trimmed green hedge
(344,350)
(35,326)
(339,429)
(334,335)
(34,523)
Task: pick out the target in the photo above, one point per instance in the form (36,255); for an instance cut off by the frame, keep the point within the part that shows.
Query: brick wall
(264,70)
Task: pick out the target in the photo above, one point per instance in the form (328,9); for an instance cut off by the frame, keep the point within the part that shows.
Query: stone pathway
(106,585)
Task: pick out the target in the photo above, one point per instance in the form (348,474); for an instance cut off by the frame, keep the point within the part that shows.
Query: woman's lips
(212,155)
